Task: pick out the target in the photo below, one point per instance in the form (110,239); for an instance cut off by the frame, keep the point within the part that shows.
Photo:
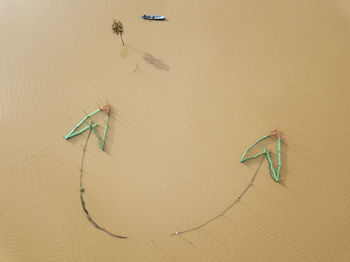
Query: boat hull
(153,17)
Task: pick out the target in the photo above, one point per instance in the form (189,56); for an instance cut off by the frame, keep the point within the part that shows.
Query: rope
(225,210)
(82,191)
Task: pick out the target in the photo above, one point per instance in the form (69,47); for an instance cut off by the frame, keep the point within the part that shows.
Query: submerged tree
(118,29)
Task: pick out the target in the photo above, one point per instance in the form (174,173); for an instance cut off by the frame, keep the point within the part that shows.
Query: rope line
(82,191)
(225,210)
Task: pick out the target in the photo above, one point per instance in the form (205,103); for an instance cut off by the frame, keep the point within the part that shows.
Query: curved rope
(225,211)
(82,191)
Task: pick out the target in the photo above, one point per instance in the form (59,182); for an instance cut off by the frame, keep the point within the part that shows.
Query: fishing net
(73,132)
(106,108)
(277,134)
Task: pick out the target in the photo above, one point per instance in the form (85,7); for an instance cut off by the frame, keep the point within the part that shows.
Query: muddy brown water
(188,96)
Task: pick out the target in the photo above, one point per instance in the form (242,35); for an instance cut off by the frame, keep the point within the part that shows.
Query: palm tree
(118,29)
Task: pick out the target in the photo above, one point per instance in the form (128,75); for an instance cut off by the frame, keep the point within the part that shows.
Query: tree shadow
(149,58)
(156,62)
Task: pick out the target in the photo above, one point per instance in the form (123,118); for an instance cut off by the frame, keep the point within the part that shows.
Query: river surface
(188,96)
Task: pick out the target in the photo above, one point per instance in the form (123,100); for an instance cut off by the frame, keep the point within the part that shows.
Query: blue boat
(154,17)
